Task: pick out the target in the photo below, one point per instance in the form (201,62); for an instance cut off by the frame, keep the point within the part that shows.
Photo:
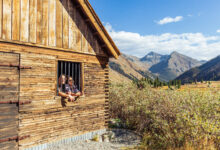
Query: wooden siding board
(52,23)
(39,21)
(72,26)
(90,41)
(24,34)
(45,23)
(7,19)
(59,23)
(8,88)
(1,17)
(16,20)
(65,24)
(84,34)
(33,21)
(78,33)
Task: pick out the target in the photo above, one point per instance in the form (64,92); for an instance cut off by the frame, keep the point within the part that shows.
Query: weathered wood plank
(24,34)
(10,145)
(61,55)
(16,20)
(90,42)
(33,21)
(45,23)
(6,96)
(9,116)
(39,21)
(84,36)
(6,28)
(65,24)
(52,23)
(72,26)
(9,58)
(59,23)
(1,16)
(78,34)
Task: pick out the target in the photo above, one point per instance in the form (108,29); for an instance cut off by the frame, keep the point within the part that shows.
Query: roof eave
(92,16)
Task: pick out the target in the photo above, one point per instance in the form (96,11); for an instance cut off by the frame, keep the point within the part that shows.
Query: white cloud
(170,20)
(218,31)
(195,45)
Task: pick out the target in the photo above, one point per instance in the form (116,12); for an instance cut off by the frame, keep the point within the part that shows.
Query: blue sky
(139,26)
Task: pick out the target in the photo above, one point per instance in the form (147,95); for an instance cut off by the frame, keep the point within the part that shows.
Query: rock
(105,138)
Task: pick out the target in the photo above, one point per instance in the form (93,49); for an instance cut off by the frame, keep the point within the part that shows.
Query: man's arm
(76,94)
(63,94)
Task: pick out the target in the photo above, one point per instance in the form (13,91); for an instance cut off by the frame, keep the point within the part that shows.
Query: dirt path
(121,139)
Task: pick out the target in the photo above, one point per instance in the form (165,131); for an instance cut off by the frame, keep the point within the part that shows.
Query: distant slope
(153,58)
(208,71)
(124,69)
(144,65)
(173,65)
(166,67)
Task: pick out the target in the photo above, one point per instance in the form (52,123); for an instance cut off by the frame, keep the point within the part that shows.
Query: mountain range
(152,65)
(173,65)
(208,71)
(127,68)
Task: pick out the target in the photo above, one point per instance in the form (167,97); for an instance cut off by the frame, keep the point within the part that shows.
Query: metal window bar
(58,75)
(70,69)
(75,73)
(79,83)
(65,68)
(61,68)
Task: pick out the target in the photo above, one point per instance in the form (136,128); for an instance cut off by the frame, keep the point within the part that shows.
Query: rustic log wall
(45,119)
(50,23)
(9,87)
(43,32)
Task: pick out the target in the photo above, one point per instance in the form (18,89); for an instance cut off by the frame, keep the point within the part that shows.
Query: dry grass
(182,119)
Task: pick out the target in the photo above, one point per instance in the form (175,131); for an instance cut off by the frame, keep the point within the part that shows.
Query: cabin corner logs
(34,36)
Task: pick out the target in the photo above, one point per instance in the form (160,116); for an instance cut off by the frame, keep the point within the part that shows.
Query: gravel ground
(122,138)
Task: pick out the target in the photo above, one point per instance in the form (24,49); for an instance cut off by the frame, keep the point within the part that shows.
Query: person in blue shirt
(71,88)
(62,89)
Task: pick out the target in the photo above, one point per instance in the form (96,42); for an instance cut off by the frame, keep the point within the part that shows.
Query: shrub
(168,119)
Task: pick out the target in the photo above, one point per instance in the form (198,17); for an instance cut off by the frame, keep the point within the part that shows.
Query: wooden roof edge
(92,16)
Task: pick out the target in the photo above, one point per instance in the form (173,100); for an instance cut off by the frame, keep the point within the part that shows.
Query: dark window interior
(70,69)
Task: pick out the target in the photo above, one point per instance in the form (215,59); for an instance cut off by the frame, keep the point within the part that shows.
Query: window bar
(65,68)
(79,77)
(76,69)
(69,69)
(72,70)
(75,73)
(58,75)
(61,67)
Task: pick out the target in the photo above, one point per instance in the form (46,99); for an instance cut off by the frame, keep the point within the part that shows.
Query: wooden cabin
(39,41)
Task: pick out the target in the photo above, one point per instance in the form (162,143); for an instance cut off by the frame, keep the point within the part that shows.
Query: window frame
(81,64)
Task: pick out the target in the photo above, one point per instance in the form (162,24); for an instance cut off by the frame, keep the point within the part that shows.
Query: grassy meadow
(184,119)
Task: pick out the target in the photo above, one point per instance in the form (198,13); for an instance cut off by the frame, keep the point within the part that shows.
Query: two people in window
(69,90)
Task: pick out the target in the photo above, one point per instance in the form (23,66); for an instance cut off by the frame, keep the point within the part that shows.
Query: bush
(168,119)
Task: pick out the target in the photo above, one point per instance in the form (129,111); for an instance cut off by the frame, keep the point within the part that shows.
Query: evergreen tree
(195,81)
(179,84)
(155,83)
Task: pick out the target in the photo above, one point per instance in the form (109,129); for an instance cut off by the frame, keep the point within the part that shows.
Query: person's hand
(71,98)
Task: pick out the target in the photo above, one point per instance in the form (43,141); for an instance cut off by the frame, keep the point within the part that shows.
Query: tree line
(156,83)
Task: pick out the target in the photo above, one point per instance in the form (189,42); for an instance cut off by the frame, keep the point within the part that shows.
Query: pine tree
(179,84)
